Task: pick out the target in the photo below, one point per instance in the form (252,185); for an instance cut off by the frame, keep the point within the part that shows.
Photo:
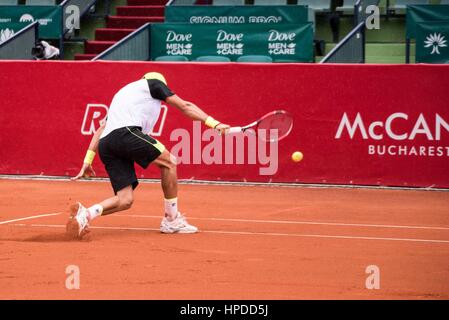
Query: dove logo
(26,18)
(172,36)
(229,43)
(224,36)
(281,36)
(280,43)
(175,43)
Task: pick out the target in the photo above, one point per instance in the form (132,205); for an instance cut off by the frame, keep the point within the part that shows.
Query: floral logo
(26,18)
(6,34)
(435,41)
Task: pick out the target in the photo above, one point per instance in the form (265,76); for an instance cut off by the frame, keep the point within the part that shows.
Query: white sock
(95,211)
(171,208)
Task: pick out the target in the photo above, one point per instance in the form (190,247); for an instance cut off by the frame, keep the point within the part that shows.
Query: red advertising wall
(355,124)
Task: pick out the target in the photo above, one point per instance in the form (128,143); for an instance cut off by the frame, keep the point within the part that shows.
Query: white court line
(253,221)
(31,217)
(192,181)
(296,222)
(254,233)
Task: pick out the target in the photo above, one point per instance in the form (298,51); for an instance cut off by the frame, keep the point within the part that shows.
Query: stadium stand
(348,6)
(270,2)
(351,49)
(127,19)
(427,26)
(228,2)
(18,46)
(9,2)
(16,14)
(317,5)
(132,47)
(60,29)
(254,58)
(213,59)
(399,7)
(40,2)
(182,2)
(385,45)
(171,58)
(402,4)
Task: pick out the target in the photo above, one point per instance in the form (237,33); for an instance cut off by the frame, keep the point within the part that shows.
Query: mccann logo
(377,130)
(229,43)
(281,43)
(5,34)
(178,43)
(398,126)
(26,18)
(435,41)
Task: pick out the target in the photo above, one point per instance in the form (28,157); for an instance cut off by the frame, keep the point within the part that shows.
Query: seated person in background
(44,51)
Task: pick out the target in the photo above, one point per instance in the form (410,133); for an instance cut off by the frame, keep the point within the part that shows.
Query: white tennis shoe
(178,225)
(78,223)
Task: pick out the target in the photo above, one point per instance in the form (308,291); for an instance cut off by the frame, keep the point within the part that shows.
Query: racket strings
(275,127)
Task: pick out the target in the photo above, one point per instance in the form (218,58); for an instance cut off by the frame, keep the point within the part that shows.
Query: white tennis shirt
(133,105)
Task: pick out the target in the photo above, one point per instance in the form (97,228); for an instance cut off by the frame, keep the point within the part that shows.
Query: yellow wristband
(89,158)
(211,122)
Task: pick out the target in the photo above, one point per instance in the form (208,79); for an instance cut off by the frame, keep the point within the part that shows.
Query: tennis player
(123,140)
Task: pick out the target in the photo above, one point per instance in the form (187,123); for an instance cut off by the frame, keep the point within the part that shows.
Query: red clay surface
(306,244)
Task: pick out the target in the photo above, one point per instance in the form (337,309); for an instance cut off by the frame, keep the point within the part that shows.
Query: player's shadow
(55,237)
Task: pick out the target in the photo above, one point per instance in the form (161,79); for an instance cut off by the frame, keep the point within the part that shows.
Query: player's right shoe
(78,223)
(178,225)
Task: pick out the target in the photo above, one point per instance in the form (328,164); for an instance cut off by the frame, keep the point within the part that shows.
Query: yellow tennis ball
(297,156)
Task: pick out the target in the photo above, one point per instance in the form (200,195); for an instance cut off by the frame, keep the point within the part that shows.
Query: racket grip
(234,130)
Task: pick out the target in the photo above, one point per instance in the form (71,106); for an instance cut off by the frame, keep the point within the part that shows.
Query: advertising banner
(424,13)
(17,17)
(376,125)
(432,42)
(237,14)
(10,30)
(286,43)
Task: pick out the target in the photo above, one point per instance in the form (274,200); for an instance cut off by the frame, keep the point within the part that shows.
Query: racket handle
(234,130)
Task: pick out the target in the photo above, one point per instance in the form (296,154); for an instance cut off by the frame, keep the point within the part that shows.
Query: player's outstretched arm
(195,113)
(87,170)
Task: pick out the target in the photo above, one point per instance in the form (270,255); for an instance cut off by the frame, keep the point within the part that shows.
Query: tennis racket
(272,127)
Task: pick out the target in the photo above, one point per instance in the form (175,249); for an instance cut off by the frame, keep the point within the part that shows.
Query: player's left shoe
(78,224)
(178,225)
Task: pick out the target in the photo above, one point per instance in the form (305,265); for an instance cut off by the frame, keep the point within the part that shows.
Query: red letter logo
(157,130)
(95,113)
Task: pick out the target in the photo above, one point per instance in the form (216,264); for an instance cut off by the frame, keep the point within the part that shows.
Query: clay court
(256,242)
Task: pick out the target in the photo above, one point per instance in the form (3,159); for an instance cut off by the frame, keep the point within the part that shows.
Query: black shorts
(121,148)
